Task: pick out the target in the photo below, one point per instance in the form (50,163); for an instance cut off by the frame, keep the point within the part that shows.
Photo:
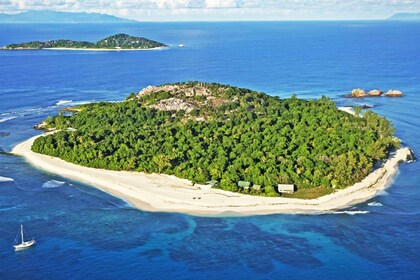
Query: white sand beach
(349,110)
(156,192)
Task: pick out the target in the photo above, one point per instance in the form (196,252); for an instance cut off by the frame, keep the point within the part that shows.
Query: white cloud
(219,4)
(223,9)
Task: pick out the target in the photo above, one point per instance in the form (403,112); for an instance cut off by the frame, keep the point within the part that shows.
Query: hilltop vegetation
(118,41)
(203,131)
(125,41)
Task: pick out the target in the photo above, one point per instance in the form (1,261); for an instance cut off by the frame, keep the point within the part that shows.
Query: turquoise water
(83,233)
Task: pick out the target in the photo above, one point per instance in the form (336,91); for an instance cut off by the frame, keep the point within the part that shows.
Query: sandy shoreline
(156,192)
(349,110)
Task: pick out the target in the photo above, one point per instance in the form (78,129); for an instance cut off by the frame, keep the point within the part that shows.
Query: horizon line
(207,20)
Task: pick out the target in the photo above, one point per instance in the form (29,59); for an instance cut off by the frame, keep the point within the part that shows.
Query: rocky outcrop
(357,93)
(216,102)
(175,104)
(151,89)
(375,92)
(41,126)
(411,157)
(183,96)
(197,90)
(394,93)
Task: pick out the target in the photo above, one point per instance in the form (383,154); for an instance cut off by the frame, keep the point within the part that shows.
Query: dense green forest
(227,134)
(118,41)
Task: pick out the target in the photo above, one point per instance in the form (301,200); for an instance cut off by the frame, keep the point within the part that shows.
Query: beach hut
(244,184)
(285,188)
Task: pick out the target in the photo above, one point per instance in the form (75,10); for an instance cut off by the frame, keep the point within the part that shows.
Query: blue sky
(168,10)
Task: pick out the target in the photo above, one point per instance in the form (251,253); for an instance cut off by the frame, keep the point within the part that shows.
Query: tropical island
(114,42)
(207,148)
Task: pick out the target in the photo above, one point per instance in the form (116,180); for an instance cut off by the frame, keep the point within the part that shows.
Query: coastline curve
(167,193)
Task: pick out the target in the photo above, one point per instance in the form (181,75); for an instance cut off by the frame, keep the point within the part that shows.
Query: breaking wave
(350,212)
(383,193)
(61,102)
(7,119)
(10,208)
(53,184)
(374,203)
(6,179)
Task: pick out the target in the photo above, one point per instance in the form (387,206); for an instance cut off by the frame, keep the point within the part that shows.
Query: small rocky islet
(360,93)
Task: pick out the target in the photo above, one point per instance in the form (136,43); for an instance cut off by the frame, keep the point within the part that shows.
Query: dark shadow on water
(217,245)
(151,254)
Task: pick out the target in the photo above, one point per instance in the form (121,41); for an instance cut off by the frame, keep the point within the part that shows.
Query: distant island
(115,42)
(405,17)
(206,149)
(61,18)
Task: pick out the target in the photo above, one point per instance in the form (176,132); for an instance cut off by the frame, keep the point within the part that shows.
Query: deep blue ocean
(83,233)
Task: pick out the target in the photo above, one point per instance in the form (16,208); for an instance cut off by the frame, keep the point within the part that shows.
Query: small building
(212,183)
(257,187)
(285,188)
(244,184)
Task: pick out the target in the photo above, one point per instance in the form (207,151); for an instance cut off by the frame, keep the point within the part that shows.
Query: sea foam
(350,212)
(7,119)
(53,184)
(374,203)
(6,179)
(61,102)
(383,193)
